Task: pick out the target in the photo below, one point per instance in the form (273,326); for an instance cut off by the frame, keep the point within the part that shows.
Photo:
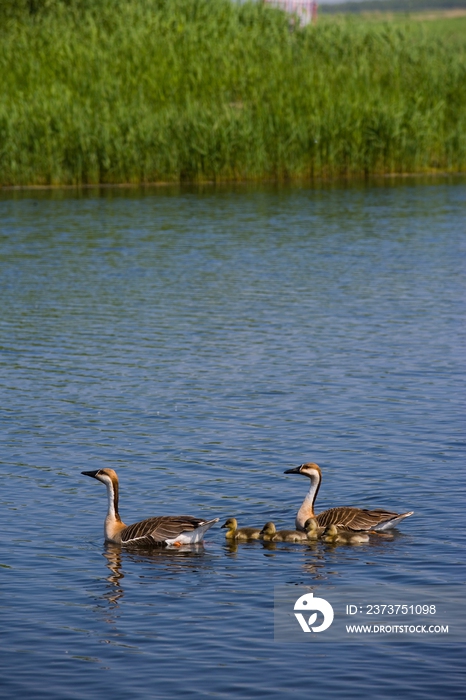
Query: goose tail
(393,522)
(192,536)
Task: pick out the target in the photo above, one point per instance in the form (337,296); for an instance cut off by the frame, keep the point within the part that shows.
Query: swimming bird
(269,533)
(344,516)
(242,533)
(330,534)
(333,535)
(162,530)
(312,529)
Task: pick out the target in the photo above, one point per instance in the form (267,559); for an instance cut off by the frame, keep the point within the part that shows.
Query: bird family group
(340,525)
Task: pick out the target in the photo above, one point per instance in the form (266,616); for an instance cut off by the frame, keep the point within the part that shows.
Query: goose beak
(224,525)
(93,474)
(296,470)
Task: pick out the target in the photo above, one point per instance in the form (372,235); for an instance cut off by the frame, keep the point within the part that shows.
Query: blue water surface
(200,342)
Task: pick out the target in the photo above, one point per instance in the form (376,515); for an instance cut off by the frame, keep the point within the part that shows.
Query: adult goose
(162,530)
(346,517)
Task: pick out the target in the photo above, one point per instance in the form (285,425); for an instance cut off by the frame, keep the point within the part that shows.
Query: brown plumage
(355,519)
(158,531)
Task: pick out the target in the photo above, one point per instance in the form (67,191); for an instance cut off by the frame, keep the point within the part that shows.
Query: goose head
(309,469)
(268,529)
(105,476)
(231,524)
(311,526)
(331,531)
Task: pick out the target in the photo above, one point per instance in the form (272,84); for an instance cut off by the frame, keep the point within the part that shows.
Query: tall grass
(168,90)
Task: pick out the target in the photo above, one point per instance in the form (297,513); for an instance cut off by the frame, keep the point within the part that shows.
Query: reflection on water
(114,592)
(201,342)
(177,560)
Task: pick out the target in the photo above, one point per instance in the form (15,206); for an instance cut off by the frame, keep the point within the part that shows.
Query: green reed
(167,90)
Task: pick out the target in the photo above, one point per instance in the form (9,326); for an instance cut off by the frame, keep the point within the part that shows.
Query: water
(200,342)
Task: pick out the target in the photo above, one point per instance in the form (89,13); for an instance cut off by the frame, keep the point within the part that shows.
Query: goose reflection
(112,554)
(232,547)
(179,560)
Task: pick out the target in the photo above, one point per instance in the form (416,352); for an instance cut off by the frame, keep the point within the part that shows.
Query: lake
(201,341)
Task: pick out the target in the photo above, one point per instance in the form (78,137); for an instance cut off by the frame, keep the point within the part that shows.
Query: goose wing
(156,531)
(359,518)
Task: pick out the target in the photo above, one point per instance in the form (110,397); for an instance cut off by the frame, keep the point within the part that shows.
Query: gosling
(332,535)
(270,534)
(313,531)
(241,534)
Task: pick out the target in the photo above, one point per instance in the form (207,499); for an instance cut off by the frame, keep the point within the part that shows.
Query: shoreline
(245,182)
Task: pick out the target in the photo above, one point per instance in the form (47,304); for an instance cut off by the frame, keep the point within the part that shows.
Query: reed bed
(198,90)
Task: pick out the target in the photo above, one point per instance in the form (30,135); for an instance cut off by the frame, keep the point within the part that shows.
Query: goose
(333,535)
(243,533)
(162,530)
(270,534)
(344,516)
(330,534)
(312,529)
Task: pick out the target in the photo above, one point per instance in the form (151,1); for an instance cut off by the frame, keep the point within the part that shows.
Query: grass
(139,91)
